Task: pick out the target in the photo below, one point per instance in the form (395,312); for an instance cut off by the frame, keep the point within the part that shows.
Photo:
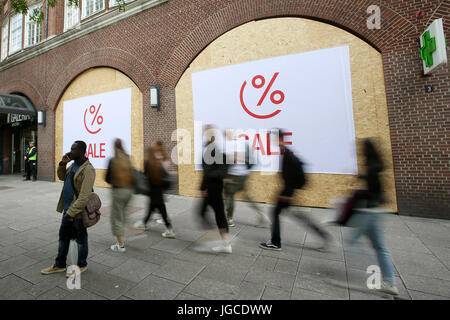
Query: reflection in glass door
(13,154)
(22,149)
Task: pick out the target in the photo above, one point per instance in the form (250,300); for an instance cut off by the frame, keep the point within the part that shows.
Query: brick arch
(28,89)
(349,15)
(114,58)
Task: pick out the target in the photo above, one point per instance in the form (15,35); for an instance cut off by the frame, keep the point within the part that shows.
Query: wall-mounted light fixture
(154,97)
(41,117)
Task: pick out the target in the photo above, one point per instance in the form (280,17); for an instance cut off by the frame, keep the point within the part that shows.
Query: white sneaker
(169,234)
(222,249)
(154,219)
(231,223)
(206,246)
(117,248)
(389,288)
(140,225)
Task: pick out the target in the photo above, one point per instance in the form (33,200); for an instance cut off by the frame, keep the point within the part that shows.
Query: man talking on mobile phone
(78,183)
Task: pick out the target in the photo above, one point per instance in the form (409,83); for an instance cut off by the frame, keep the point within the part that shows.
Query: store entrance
(16,140)
(20,142)
(18,127)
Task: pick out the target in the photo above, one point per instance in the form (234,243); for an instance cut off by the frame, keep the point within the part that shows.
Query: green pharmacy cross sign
(429,46)
(433,47)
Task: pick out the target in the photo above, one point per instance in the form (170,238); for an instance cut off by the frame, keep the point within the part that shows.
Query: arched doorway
(18,127)
(99,105)
(281,37)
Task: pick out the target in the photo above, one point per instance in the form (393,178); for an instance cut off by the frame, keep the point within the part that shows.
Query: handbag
(345,210)
(91,213)
(167,179)
(141,185)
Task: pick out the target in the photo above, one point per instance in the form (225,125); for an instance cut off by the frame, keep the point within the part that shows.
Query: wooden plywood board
(283,36)
(101,80)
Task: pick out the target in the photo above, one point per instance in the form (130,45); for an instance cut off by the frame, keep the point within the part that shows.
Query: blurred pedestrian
(367,215)
(163,157)
(214,171)
(240,161)
(156,170)
(294,178)
(120,176)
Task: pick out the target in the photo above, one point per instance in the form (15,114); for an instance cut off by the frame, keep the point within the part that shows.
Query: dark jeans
(162,209)
(215,200)
(276,237)
(72,230)
(27,169)
(31,169)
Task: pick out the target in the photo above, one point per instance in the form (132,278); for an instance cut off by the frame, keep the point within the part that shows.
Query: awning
(11,103)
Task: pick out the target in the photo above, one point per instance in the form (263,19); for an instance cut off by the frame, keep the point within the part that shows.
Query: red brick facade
(156,46)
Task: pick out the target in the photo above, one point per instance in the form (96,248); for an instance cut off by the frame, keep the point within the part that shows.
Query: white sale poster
(309,95)
(98,120)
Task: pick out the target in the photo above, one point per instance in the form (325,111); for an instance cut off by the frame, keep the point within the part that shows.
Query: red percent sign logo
(258,82)
(99,118)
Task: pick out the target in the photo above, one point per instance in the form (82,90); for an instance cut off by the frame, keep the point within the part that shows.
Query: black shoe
(269,246)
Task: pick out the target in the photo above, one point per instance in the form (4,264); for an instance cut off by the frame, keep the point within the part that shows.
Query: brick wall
(55,19)
(156,46)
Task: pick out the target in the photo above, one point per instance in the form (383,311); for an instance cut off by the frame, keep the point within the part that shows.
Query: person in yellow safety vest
(31,157)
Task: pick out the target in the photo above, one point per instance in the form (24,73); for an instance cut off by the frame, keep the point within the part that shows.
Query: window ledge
(93,16)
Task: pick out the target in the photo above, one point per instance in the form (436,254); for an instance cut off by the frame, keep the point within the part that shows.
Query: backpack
(249,156)
(358,199)
(141,185)
(299,174)
(167,179)
(345,210)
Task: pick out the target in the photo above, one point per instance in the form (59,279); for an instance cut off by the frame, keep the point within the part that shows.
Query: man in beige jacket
(78,184)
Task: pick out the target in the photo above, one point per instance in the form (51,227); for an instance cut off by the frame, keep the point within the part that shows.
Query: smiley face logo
(99,119)
(276,97)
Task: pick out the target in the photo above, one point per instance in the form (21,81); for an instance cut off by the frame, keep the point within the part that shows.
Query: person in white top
(240,161)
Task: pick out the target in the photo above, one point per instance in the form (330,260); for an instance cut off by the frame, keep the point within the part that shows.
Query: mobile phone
(69,155)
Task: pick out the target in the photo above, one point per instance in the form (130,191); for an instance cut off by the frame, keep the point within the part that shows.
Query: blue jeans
(72,230)
(368,223)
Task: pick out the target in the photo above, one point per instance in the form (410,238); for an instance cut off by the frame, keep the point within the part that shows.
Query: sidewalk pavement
(158,268)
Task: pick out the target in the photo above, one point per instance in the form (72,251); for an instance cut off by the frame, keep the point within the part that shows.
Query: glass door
(23,148)
(13,154)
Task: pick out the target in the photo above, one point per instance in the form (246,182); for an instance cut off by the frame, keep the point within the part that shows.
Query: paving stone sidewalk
(158,268)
